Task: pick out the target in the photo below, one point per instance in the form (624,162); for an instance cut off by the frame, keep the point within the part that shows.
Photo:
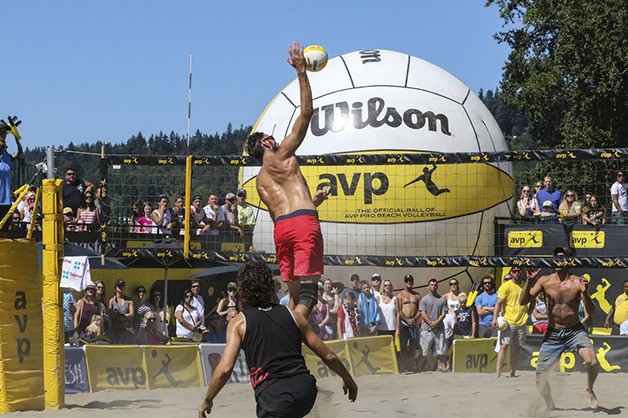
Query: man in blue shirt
(6,165)
(485,305)
(549,193)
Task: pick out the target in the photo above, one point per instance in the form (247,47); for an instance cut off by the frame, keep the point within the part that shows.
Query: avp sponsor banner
(534,239)
(361,356)
(115,367)
(476,355)
(75,371)
(611,353)
(211,354)
(318,368)
(372,355)
(21,328)
(173,366)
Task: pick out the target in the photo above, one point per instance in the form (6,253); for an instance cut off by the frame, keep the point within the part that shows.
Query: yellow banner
(476,355)
(587,239)
(21,328)
(115,367)
(136,367)
(361,356)
(372,355)
(316,365)
(173,366)
(525,239)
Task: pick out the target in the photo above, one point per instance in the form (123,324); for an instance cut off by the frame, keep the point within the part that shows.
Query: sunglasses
(87,197)
(100,287)
(17,218)
(569,195)
(620,175)
(188,296)
(70,174)
(538,186)
(193,286)
(453,284)
(485,283)
(231,289)
(151,319)
(387,285)
(526,191)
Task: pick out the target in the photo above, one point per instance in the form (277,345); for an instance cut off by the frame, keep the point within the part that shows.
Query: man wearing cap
(517,317)
(284,190)
(230,211)
(376,285)
(199,220)
(68,219)
(6,165)
(619,198)
(355,288)
(549,193)
(563,293)
(407,323)
(246,214)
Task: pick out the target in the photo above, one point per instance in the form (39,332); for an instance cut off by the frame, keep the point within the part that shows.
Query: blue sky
(85,71)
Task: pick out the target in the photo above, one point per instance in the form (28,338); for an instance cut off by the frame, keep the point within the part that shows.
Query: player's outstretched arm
(527,293)
(223,371)
(290,144)
(330,358)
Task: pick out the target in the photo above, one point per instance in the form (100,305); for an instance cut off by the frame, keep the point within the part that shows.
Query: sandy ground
(425,395)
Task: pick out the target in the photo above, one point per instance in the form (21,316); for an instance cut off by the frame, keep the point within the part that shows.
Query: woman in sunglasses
(570,209)
(87,213)
(149,333)
(527,205)
(231,301)
(188,318)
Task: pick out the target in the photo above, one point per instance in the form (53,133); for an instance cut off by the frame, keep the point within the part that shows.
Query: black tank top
(272,345)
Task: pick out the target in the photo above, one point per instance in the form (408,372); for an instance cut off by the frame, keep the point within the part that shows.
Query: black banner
(610,154)
(611,353)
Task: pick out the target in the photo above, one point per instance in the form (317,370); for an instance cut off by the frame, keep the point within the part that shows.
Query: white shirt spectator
(619,189)
(209,212)
(199,304)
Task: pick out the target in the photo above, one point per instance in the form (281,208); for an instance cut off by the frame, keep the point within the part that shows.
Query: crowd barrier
(479,355)
(99,367)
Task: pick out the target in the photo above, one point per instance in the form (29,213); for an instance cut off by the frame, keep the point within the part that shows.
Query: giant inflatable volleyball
(386,102)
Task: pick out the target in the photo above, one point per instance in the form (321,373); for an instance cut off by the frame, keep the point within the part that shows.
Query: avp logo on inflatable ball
(386,102)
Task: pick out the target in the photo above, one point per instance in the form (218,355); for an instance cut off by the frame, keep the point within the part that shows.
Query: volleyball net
(406,209)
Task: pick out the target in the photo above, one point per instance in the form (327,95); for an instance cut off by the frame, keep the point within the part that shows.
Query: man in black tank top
(271,337)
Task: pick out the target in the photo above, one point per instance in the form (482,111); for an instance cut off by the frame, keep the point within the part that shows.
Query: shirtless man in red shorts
(283,189)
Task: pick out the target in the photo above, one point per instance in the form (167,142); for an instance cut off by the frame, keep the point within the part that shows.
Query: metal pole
(50,161)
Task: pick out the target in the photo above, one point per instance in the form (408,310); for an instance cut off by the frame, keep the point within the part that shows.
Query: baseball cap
(376,276)
(197,197)
(548,204)
(515,268)
(68,211)
(120,283)
(241,192)
(230,196)
(92,285)
(163,196)
(562,251)
(231,284)
(408,278)
(354,276)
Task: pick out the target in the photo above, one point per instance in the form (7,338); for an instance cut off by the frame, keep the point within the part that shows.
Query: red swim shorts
(299,245)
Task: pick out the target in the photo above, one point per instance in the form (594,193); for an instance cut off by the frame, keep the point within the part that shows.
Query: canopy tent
(74,250)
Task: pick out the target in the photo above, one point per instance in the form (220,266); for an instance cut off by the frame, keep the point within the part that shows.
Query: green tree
(568,69)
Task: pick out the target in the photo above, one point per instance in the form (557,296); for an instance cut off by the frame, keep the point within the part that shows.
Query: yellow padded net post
(21,376)
(188,203)
(53,336)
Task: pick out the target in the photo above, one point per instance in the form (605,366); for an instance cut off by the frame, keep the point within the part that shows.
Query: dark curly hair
(253,145)
(255,283)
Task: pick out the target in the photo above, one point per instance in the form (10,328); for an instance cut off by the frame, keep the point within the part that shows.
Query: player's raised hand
(531,273)
(14,122)
(295,57)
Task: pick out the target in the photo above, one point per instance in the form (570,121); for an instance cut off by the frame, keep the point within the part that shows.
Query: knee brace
(309,295)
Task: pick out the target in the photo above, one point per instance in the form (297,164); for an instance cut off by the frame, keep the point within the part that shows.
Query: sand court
(418,395)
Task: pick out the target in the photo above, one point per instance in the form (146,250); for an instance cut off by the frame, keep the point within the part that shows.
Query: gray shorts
(513,336)
(432,340)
